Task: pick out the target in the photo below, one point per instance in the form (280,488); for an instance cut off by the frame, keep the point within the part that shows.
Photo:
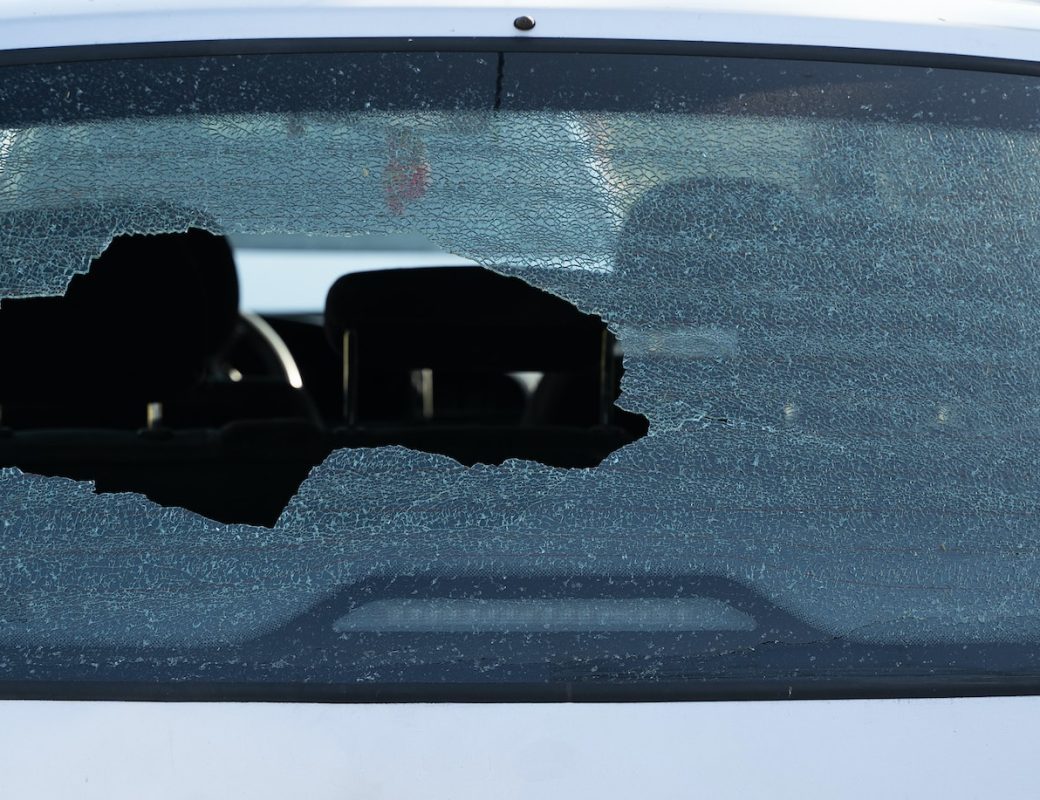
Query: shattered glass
(826,295)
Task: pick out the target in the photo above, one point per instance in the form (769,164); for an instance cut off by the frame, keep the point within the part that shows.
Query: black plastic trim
(98,52)
(585,692)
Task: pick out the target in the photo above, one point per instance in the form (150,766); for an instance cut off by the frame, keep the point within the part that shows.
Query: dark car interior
(146,377)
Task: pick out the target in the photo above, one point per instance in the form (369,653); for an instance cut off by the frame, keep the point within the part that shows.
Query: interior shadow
(145,377)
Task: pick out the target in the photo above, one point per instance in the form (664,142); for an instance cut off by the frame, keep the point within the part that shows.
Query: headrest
(458,317)
(673,227)
(140,325)
(838,311)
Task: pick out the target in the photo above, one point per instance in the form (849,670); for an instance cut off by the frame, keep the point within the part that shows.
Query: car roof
(1008,29)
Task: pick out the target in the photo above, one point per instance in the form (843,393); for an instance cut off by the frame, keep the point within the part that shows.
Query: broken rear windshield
(695,375)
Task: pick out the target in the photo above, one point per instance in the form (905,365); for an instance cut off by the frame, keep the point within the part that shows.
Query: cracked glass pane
(821,278)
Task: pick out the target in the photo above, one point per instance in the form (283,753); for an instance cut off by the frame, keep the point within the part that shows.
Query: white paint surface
(997,28)
(966,748)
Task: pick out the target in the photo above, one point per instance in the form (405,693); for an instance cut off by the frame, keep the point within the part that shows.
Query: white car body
(953,747)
